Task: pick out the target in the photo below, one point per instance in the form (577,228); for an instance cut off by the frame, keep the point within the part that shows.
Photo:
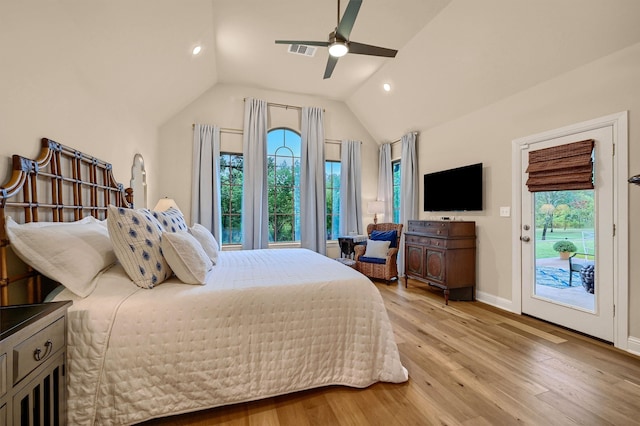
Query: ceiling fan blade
(331,64)
(348,19)
(304,42)
(367,49)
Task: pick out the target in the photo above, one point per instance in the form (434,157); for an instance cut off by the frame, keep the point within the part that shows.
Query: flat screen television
(458,189)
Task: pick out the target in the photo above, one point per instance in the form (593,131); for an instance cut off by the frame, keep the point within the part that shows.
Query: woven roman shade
(561,168)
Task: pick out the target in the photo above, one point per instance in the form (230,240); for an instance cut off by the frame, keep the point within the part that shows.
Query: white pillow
(206,240)
(186,257)
(71,253)
(377,249)
(136,235)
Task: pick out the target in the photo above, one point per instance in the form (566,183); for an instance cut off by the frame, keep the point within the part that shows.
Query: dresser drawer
(425,241)
(29,354)
(416,239)
(430,228)
(438,242)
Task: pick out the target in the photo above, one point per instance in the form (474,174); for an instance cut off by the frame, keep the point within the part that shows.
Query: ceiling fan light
(338,49)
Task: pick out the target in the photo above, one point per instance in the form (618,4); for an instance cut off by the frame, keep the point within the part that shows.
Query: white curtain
(385,181)
(350,188)
(255,209)
(313,224)
(205,193)
(408,189)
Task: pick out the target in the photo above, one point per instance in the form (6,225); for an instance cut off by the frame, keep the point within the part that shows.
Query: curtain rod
(336,141)
(399,140)
(240,131)
(222,129)
(285,106)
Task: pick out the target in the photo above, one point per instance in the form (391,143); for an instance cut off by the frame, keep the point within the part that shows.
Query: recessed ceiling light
(386,87)
(196,50)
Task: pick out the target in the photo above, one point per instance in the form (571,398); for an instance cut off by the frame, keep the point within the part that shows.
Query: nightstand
(32,364)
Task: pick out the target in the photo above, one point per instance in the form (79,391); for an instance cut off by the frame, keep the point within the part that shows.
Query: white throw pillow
(186,257)
(136,235)
(377,249)
(206,240)
(71,253)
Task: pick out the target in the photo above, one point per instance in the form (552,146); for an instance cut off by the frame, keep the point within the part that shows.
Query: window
(332,185)
(231,177)
(395,167)
(283,184)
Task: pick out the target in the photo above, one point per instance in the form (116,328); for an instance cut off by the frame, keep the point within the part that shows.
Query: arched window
(283,175)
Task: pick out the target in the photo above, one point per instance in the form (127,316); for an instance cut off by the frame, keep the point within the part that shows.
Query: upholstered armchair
(383,266)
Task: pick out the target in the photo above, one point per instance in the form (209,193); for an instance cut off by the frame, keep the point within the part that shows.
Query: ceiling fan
(339,43)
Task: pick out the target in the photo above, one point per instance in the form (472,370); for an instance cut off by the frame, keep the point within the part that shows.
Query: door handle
(525,239)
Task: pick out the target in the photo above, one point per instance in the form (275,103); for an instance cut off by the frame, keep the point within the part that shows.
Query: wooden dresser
(442,254)
(32,364)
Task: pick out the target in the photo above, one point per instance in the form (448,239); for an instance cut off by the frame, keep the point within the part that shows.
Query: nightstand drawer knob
(37,354)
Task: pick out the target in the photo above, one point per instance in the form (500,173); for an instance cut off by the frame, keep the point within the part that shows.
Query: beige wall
(606,86)
(46,90)
(223,105)
(41,105)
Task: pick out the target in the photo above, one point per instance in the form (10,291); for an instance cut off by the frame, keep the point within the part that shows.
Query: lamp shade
(165,204)
(375,207)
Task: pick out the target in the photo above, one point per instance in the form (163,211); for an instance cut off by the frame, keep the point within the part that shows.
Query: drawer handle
(37,354)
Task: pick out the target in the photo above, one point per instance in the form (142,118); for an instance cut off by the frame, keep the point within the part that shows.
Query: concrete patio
(574,296)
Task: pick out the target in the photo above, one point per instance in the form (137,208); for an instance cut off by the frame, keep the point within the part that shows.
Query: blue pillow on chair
(391,236)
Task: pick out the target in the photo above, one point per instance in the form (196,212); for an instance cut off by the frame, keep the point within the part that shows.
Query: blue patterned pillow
(171,220)
(136,236)
(391,236)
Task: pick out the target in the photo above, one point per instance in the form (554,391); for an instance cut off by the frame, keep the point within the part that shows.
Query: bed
(262,323)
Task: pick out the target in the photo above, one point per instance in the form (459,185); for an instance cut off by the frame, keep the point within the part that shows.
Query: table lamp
(165,204)
(375,207)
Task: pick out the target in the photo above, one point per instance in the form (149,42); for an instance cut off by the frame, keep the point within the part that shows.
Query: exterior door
(574,289)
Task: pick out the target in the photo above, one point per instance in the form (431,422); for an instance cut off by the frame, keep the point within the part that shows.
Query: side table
(347,243)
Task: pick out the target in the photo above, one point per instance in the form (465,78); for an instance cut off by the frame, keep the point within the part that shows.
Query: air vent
(301,49)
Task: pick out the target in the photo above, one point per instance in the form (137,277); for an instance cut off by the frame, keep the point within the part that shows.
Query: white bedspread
(268,322)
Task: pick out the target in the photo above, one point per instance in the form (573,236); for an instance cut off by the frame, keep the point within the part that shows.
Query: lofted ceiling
(246,30)
(455,56)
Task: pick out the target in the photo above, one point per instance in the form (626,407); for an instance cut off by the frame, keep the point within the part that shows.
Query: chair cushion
(391,236)
(372,260)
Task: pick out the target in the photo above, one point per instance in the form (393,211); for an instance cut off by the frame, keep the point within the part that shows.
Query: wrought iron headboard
(61,185)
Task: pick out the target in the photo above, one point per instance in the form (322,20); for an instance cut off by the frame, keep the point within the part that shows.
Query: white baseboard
(633,345)
(492,300)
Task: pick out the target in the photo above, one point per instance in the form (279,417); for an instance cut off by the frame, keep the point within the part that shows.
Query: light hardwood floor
(469,364)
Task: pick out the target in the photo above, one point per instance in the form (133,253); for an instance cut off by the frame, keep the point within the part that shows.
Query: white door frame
(619,124)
